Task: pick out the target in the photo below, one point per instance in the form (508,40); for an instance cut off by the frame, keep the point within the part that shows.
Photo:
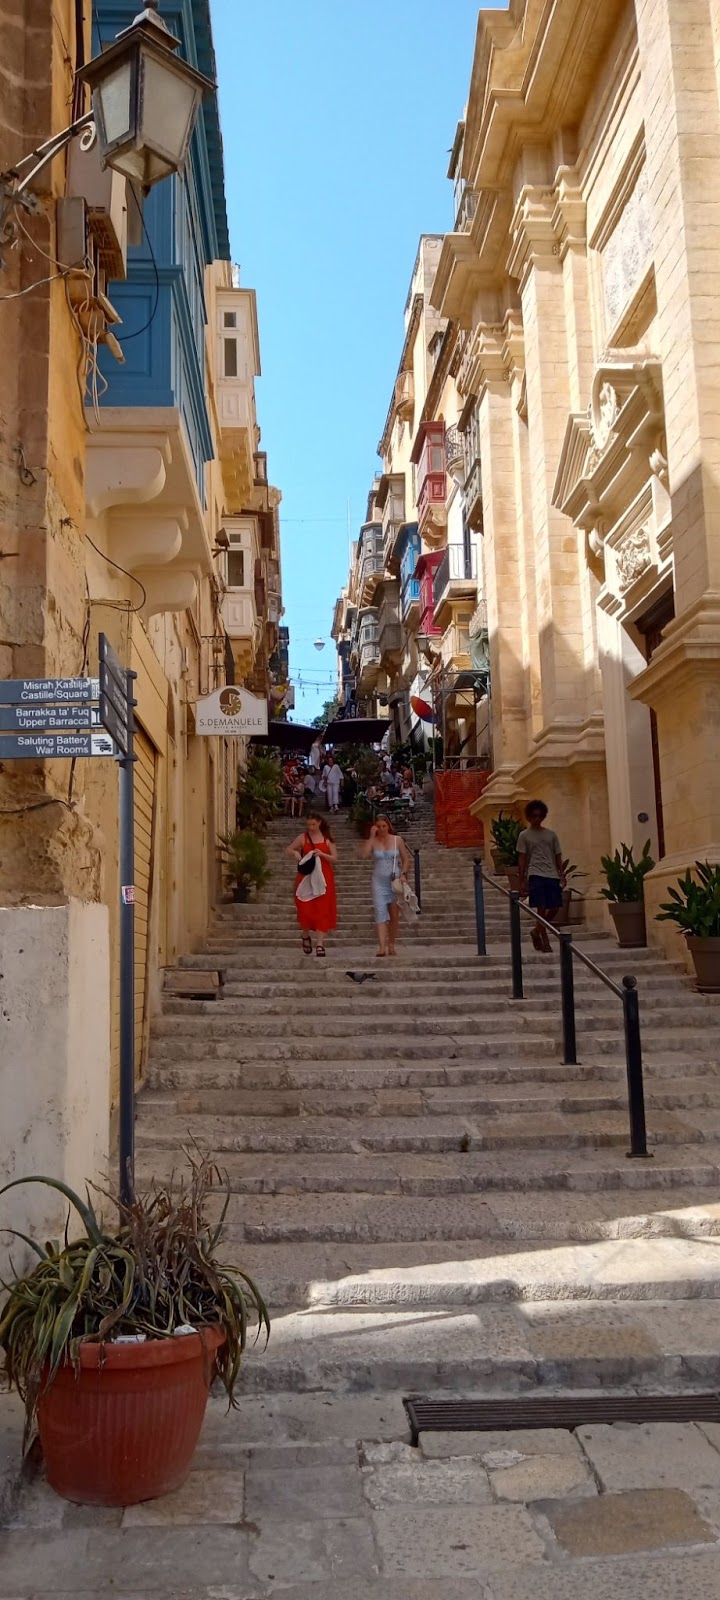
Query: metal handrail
(627,994)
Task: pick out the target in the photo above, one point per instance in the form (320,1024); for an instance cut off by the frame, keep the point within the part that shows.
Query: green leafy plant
(361,812)
(153,1273)
(506,831)
(625,875)
(259,796)
(695,904)
(245,856)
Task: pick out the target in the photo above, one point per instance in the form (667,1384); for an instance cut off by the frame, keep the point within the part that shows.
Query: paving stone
(694,1575)
(571,1331)
(205,1497)
(413,1481)
(503,1449)
(680,1328)
(649,1456)
(447,1540)
(543,1477)
(315,1493)
(86,1556)
(615,1524)
(306,1418)
(290,1553)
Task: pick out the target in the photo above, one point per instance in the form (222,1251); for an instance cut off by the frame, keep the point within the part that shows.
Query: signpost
(46,719)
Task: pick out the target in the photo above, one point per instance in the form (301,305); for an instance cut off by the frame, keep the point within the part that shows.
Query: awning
(356,730)
(287,736)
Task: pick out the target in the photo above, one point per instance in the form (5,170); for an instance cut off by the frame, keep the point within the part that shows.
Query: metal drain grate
(558,1411)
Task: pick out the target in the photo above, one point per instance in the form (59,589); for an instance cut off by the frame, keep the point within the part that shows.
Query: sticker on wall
(231,711)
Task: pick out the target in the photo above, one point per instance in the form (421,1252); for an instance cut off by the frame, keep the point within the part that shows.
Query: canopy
(356,730)
(287,736)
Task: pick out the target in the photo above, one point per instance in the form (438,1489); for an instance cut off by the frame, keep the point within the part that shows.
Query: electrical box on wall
(106,198)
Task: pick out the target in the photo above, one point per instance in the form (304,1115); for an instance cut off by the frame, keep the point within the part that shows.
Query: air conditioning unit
(106,198)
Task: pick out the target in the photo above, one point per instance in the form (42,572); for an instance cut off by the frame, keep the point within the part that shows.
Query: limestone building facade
(584,287)
(135,501)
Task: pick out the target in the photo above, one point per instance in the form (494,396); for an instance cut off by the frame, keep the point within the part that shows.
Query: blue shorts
(545,894)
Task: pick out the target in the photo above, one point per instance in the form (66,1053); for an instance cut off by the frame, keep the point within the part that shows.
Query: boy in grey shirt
(542,877)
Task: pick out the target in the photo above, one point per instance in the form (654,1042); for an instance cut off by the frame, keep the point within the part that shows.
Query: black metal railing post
(567,988)
(418,895)
(633,1058)
(516,946)
(479,907)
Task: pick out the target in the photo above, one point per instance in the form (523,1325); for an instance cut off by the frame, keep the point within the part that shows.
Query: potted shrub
(259,796)
(695,906)
(625,877)
(113,1338)
(573,898)
(246,865)
(361,813)
(506,831)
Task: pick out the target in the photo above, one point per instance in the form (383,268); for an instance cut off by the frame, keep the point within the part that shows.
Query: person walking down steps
(315,898)
(542,876)
(331,784)
(391,863)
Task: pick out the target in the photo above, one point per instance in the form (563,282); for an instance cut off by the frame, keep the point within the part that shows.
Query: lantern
(145,100)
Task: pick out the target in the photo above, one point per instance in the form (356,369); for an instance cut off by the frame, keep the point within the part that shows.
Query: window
(236,569)
(231,361)
(229,319)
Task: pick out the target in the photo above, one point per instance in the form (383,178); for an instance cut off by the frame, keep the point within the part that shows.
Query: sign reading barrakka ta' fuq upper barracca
(232,711)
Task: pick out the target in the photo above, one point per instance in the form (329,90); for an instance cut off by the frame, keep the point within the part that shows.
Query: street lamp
(144,103)
(145,100)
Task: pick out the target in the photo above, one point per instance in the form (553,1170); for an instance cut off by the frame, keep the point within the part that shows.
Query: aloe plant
(155,1272)
(695,904)
(625,876)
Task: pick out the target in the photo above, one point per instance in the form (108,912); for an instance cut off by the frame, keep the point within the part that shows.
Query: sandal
(320,950)
(307,945)
(536,937)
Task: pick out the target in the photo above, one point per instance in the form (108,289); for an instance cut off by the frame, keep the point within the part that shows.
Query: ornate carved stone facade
(591,140)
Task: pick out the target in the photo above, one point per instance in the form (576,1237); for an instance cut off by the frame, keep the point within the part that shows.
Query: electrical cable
(18,293)
(118,605)
(153,313)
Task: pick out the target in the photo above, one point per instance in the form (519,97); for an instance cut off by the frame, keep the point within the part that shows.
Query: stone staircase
(430,1199)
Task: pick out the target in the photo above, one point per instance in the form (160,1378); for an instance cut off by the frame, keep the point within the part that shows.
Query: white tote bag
(314,885)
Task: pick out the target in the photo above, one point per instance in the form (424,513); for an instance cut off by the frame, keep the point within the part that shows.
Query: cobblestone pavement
(355,1513)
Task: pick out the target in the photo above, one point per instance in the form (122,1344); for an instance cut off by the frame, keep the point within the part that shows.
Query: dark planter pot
(125,1426)
(240,893)
(629,919)
(706,960)
(573,909)
(363,829)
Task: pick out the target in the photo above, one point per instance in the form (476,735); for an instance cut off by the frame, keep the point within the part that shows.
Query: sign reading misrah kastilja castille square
(232,712)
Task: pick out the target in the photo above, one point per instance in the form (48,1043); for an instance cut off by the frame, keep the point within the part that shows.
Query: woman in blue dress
(390,860)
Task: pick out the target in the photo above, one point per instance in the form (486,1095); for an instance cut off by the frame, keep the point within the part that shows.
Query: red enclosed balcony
(425,573)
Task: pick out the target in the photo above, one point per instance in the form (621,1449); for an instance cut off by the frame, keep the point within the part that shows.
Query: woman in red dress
(319,915)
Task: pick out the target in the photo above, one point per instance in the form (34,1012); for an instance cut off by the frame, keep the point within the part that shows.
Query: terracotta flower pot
(706,960)
(500,863)
(513,878)
(629,919)
(125,1427)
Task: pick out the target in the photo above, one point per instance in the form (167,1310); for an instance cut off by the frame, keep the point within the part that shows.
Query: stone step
(502,1215)
(167,1128)
(661,1073)
(491,1103)
(693,1168)
(466,1272)
(203,1019)
(441,963)
(462,1047)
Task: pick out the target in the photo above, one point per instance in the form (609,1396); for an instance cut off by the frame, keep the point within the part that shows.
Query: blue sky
(337,119)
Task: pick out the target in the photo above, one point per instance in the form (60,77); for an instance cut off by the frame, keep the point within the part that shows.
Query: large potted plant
(625,878)
(245,857)
(506,831)
(695,907)
(113,1338)
(362,814)
(259,796)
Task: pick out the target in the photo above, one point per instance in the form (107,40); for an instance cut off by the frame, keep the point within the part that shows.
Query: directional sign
(109,660)
(115,725)
(28,719)
(48,691)
(118,697)
(50,746)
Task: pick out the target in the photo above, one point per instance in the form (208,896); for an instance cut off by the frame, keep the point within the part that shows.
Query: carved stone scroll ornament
(604,408)
(658,463)
(633,557)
